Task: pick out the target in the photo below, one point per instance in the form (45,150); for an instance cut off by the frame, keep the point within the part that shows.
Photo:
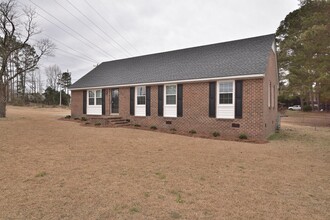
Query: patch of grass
(153,127)
(175,215)
(216,134)
(278,136)
(41,174)
(146,194)
(192,132)
(137,125)
(83,119)
(242,136)
(67,117)
(161,175)
(134,209)
(178,196)
(97,123)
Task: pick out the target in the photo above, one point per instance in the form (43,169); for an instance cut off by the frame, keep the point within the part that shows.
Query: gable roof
(234,58)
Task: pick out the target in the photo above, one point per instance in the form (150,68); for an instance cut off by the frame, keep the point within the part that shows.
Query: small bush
(67,117)
(153,127)
(87,123)
(192,132)
(97,123)
(76,118)
(307,108)
(242,136)
(173,130)
(137,125)
(216,134)
(83,119)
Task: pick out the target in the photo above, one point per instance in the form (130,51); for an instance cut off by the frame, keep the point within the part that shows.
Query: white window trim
(176,95)
(94,91)
(217,99)
(136,95)
(269,94)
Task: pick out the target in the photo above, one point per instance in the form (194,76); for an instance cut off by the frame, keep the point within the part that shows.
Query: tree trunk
(2,99)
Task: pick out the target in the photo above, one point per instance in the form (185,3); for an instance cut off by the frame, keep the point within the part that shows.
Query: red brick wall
(76,103)
(196,108)
(270,114)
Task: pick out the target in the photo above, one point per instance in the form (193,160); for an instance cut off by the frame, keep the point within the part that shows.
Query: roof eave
(250,76)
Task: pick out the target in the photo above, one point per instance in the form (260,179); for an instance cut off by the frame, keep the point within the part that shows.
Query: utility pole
(60,82)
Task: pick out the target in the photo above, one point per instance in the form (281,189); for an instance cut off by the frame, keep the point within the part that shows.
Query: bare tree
(52,73)
(16,29)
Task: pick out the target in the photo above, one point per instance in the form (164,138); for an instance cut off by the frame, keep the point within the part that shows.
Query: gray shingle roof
(234,58)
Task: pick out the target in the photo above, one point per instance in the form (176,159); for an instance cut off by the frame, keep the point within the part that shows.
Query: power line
(89,58)
(70,29)
(113,28)
(92,22)
(81,21)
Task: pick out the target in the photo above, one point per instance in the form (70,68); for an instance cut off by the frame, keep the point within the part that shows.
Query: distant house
(229,87)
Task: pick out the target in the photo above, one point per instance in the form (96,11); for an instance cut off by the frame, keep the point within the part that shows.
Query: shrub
(76,118)
(83,119)
(173,130)
(153,127)
(307,108)
(216,134)
(243,136)
(137,125)
(192,132)
(97,123)
(87,123)
(67,117)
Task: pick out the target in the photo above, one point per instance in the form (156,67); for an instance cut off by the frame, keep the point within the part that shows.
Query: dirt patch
(51,169)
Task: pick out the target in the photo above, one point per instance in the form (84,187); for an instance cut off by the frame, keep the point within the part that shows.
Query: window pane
(225,87)
(98,101)
(225,98)
(171,90)
(91,101)
(170,99)
(141,90)
(98,94)
(141,100)
(91,94)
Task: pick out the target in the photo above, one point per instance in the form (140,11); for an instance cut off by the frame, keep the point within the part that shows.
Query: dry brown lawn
(53,169)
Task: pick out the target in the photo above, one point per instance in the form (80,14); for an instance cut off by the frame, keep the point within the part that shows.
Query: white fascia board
(252,76)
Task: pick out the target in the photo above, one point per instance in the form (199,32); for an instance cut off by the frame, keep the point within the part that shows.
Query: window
(225,92)
(95,97)
(90,97)
(141,95)
(98,97)
(170,94)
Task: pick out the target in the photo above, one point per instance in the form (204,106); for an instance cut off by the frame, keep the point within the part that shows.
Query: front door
(114,101)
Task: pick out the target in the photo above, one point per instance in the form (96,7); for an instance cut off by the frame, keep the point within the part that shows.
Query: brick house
(229,87)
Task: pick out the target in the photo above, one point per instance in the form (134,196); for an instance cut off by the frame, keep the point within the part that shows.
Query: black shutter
(180,99)
(160,100)
(148,101)
(103,101)
(84,102)
(131,100)
(212,98)
(238,98)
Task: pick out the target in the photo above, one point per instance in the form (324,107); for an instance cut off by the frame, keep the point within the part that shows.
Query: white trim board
(252,76)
